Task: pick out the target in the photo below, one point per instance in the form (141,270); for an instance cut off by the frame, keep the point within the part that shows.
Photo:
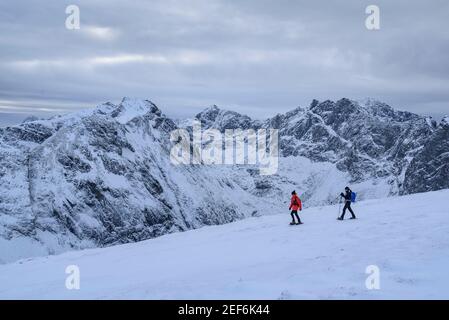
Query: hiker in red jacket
(295,205)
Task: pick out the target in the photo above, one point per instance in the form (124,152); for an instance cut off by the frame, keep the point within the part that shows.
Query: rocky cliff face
(100,178)
(103,176)
(369,141)
(429,168)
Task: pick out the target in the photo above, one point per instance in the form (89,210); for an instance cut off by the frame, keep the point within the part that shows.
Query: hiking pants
(347,206)
(295,213)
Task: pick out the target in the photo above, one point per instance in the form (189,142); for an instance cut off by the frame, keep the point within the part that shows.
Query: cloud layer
(257,57)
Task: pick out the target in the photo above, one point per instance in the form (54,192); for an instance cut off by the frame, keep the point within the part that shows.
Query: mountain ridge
(103,176)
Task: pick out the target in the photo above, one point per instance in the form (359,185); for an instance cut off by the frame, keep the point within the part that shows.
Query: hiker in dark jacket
(347,197)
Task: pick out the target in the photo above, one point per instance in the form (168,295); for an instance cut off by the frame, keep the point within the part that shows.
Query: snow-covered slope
(406,237)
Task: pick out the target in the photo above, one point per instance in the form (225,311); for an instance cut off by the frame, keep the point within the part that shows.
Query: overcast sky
(254,56)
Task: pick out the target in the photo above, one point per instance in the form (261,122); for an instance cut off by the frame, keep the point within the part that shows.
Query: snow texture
(406,237)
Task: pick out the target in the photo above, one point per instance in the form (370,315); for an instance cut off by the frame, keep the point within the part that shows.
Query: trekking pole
(339,208)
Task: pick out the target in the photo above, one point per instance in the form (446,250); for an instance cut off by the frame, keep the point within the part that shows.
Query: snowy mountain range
(103,176)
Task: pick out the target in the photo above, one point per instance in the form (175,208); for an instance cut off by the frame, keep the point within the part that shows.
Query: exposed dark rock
(104,177)
(429,169)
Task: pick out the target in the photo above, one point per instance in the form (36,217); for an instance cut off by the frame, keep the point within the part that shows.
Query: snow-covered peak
(370,102)
(30,119)
(210,113)
(131,108)
(383,110)
(214,117)
(213,108)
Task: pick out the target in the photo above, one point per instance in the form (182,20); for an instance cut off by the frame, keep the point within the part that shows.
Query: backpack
(353,196)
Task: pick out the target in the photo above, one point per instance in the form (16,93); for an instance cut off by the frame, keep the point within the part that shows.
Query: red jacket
(295,203)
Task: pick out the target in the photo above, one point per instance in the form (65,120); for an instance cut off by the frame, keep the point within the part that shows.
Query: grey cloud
(259,57)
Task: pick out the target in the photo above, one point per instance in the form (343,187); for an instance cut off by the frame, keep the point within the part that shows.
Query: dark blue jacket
(347,195)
